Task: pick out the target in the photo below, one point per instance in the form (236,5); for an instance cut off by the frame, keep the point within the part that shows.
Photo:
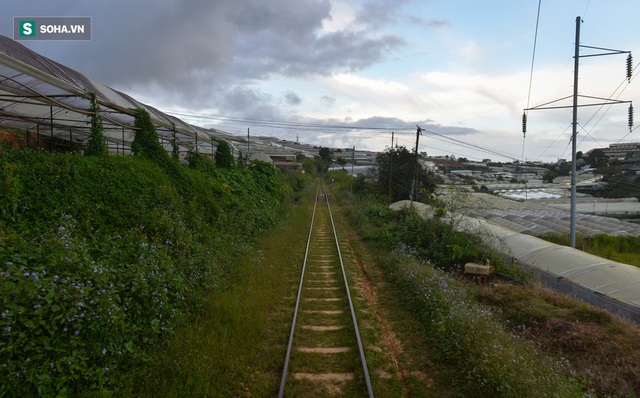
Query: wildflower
(7,329)
(104,351)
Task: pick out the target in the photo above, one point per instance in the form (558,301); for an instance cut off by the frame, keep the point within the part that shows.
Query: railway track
(325,355)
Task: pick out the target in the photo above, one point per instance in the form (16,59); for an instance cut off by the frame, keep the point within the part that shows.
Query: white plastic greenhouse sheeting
(39,94)
(605,283)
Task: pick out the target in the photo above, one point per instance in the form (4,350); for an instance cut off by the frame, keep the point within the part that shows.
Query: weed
(103,257)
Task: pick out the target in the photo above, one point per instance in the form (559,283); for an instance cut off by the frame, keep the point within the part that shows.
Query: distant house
(466,173)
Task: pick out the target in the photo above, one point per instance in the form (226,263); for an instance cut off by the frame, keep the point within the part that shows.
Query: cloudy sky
(347,73)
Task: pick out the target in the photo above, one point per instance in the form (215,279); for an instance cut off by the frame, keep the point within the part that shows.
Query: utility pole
(574,133)
(391,153)
(353,160)
(415,166)
(247,156)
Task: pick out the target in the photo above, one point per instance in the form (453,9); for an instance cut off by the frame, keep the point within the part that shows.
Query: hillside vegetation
(102,257)
(511,338)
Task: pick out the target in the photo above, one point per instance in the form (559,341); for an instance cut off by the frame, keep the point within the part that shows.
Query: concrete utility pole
(576,64)
(415,166)
(391,164)
(353,160)
(575,106)
(247,156)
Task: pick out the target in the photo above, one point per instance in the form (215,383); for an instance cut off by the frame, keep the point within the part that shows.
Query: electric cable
(533,57)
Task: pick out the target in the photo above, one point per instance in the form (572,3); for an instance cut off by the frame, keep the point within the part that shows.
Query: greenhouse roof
(40,95)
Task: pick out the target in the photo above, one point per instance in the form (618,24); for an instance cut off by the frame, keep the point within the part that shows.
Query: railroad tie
(324,350)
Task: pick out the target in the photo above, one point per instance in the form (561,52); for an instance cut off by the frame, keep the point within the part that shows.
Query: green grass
(623,249)
(237,346)
(102,259)
(590,338)
(477,353)
(553,345)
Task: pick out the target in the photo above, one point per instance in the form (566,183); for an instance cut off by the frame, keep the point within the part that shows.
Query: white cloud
(342,16)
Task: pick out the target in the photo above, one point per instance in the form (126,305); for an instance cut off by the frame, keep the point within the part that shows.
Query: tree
(146,143)
(549,176)
(395,174)
(97,144)
(326,154)
(598,160)
(175,148)
(224,157)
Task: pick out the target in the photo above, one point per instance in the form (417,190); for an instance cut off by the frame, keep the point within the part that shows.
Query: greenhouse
(47,99)
(598,281)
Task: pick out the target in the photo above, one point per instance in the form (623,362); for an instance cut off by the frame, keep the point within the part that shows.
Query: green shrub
(490,360)
(433,239)
(97,144)
(224,156)
(102,257)
(145,142)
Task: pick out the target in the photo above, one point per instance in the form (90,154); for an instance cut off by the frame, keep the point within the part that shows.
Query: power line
(533,57)
(329,128)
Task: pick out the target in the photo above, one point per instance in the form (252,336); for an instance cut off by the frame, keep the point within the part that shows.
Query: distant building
(619,151)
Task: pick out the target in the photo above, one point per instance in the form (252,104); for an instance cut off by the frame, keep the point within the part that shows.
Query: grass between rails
(237,347)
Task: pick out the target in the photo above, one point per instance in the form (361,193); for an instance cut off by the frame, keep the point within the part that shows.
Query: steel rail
(353,313)
(285,369)
(363,360)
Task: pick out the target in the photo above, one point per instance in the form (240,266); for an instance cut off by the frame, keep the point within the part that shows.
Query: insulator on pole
(630,117)
(629,67)
(524,124)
